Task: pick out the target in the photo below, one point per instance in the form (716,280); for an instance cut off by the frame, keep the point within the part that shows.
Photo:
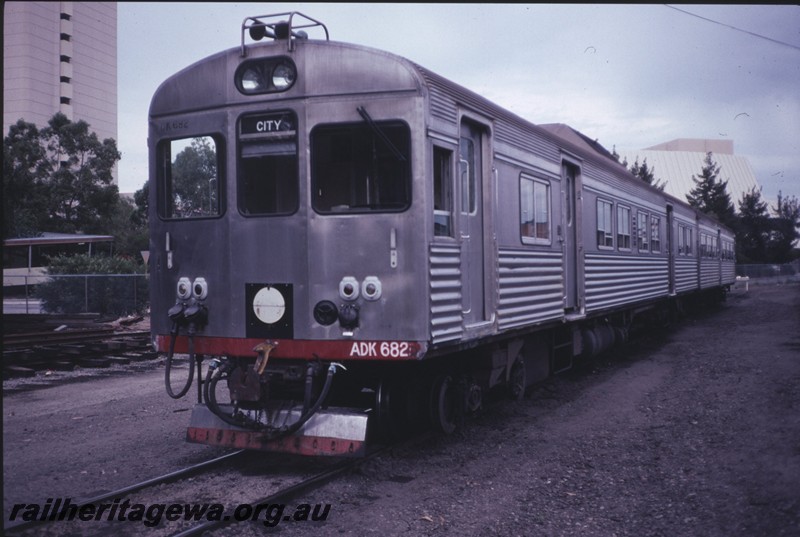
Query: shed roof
(676,168)
(57,238)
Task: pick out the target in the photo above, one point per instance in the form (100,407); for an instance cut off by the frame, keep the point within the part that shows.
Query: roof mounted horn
(282,29)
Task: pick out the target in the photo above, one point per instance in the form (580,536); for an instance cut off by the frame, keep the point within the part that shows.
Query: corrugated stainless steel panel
(685,274)
(442,103)
(445,282)
(446,96)
(531,287)
(728,272)
(526,140)
(709,273)
(613,280)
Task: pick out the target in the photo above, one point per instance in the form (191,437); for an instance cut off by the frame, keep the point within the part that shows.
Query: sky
(630,76)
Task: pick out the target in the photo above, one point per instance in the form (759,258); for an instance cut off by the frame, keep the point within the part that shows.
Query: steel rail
(305,485)
(166,478)
(284,494)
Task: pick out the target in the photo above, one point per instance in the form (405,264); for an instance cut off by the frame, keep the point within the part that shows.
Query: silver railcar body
(373,212)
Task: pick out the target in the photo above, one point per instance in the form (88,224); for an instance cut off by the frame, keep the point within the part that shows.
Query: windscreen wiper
(380,134)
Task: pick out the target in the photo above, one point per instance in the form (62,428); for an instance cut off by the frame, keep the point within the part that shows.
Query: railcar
(353,244)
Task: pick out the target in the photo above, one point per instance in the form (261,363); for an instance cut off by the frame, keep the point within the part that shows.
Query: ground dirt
(692,431)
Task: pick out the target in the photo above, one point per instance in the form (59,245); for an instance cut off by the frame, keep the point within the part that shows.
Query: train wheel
(391,405)
(444,404)
(517,380)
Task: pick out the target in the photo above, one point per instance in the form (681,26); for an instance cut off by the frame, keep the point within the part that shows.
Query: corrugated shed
(678,167)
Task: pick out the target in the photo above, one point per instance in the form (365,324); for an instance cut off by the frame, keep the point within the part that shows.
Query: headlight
(283,76)
(253,81)
(184,289)
(265,75)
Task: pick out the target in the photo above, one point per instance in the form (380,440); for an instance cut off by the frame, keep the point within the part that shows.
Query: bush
(84,283)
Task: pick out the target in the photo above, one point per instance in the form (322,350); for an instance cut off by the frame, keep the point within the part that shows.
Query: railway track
(281,496)
(35,343)
(17,526)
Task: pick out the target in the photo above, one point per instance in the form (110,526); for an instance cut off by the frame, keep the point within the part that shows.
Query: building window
(65,100)
(623,227)
(605,232)
(534,210)
(442,192)
(642,232)
(66,17)
(655,234)
(66,79)
(65,58)
(66,37)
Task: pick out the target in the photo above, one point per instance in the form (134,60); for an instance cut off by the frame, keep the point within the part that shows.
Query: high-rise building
(60,57)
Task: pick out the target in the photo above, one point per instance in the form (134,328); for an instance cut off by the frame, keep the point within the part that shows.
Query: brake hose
(173,335)
(272,433)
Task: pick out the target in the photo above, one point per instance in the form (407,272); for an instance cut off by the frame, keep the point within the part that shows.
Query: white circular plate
(269,305)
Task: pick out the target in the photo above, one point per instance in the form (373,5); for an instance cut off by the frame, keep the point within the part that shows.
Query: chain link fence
(770,273)
(104,294)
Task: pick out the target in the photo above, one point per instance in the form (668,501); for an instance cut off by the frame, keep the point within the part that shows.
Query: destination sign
(268,123)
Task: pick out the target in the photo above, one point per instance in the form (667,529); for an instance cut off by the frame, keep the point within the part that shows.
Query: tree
(141,199)
(710,195)
(785,229)
(646,174)
(23,191)
(754,227)
(129,231)
(58,178)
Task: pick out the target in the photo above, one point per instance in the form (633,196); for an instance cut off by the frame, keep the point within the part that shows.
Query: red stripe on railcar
(302,349)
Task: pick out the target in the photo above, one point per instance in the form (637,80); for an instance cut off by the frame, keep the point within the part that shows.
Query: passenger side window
(642,232)
(534,210)
(655,234)
(623,227)
(689,244)
(442,192)
(605,233)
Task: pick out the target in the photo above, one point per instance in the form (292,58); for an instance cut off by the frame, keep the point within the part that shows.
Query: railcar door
(670,249)
(471,222)
(570,239)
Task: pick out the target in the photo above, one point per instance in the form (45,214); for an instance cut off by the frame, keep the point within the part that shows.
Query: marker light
(371,288)
(348,288)
(200,288)
(184,288)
